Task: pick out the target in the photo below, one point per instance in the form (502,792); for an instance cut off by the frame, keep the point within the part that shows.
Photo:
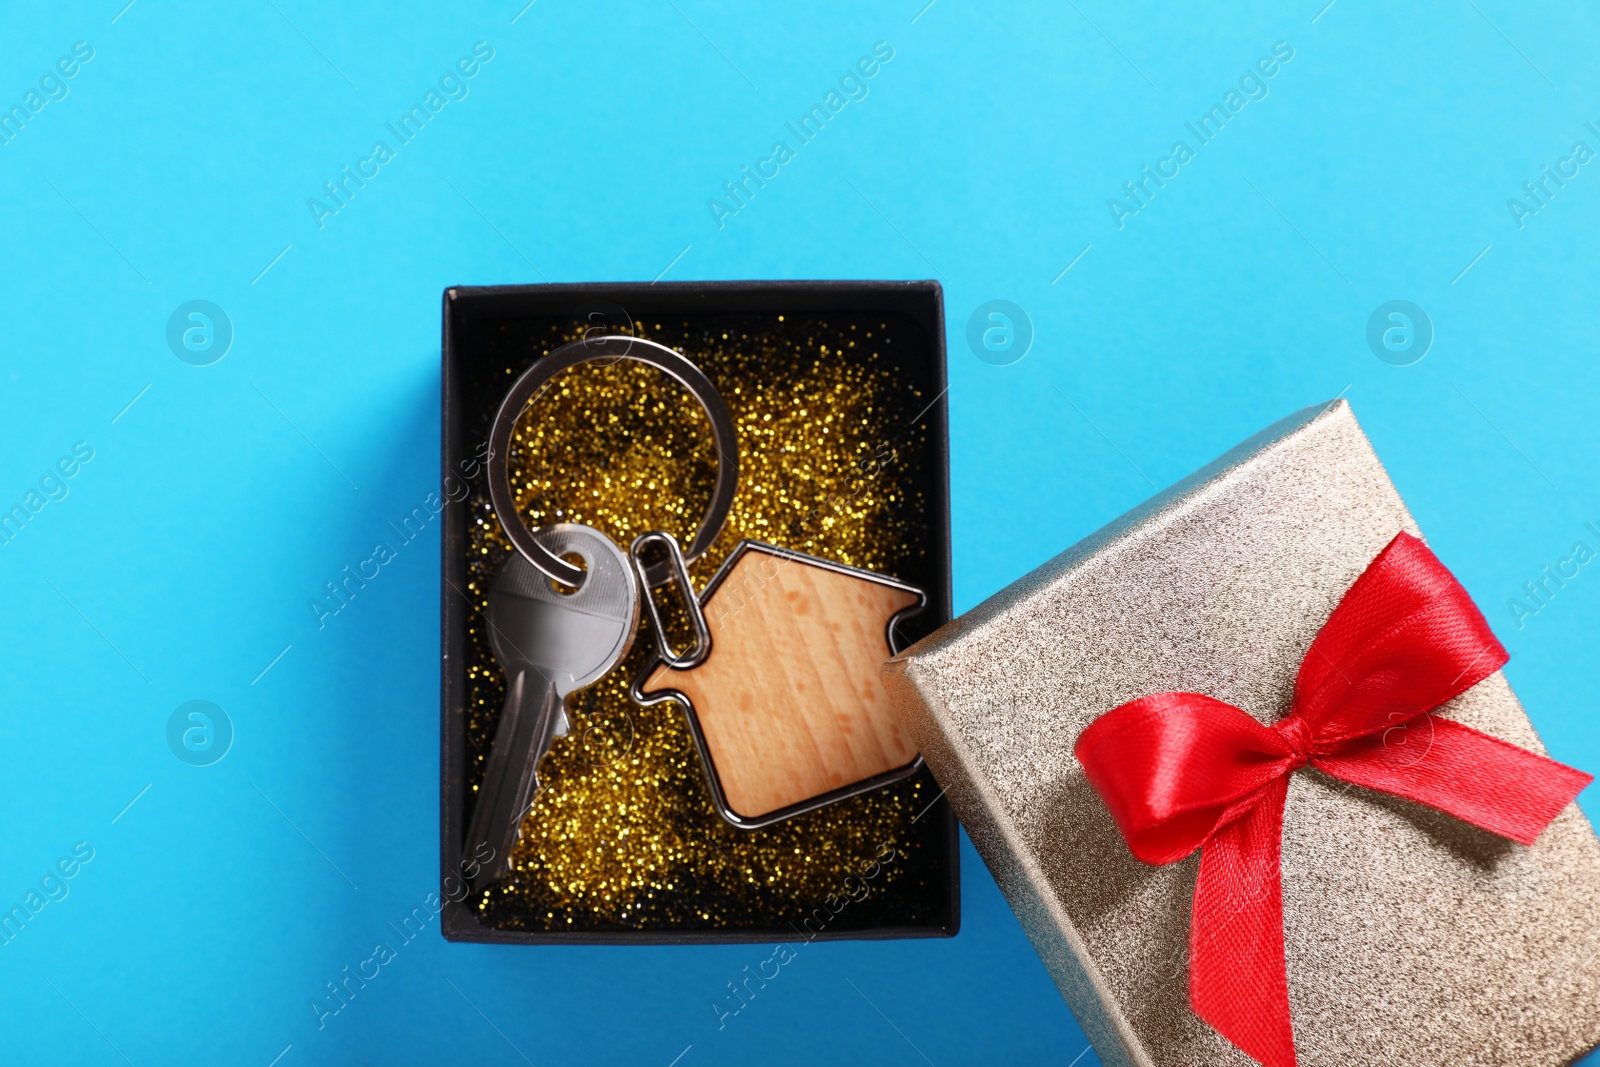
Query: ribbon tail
(1237,978)
(1480,779)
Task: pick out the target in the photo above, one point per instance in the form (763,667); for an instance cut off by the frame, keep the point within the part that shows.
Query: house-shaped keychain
(787,708)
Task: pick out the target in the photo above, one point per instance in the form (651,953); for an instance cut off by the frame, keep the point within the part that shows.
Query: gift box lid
(1410,937)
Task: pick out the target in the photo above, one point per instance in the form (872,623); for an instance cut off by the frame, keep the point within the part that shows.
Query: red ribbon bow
(1181,771)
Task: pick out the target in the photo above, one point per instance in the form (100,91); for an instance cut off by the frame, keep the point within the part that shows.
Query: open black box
(480,331)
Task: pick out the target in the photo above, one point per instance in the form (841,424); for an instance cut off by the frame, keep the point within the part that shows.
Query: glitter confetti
(623,834)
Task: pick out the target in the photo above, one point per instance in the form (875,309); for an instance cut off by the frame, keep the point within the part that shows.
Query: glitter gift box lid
(1410,937)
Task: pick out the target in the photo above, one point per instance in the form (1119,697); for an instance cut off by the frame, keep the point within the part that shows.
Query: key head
(573,638)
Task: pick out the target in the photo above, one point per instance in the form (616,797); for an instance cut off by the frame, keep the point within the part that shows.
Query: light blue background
(180,564)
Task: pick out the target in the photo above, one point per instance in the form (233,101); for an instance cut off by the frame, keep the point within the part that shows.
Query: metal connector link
(674,570)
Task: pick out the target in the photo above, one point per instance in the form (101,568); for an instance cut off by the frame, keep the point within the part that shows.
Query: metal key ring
(676,365)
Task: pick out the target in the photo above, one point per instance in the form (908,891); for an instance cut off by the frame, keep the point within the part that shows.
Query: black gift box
(489,338)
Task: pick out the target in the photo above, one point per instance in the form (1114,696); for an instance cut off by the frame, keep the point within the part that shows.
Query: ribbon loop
(1181,771)
(1405,638)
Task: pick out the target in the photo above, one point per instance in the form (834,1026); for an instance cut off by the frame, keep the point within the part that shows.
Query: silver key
(550,644)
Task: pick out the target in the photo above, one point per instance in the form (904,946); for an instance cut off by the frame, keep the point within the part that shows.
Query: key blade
(508,782)
(552,722)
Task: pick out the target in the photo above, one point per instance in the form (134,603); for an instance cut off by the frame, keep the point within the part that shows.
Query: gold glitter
(623,833)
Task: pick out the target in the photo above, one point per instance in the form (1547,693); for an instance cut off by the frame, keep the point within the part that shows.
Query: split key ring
(589,350)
